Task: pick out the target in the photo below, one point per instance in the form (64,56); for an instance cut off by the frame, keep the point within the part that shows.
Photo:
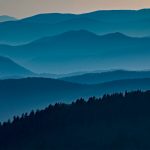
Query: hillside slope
(114,122)
(22,95)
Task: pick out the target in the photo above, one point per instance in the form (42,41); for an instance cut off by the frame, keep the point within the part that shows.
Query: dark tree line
(113,122)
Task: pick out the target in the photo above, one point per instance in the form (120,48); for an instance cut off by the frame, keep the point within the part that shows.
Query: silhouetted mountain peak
(4,18)
(144,10)
(116,35)
(69,35)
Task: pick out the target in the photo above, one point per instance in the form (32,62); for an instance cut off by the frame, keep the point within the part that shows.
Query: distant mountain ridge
(81,50)
(102,15)
(130,22)
(97,78)
(50,18)
(22,95)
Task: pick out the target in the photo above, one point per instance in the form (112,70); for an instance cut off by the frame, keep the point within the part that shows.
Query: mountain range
(80,50)
(37,55)
(106,76)
(11,69)
(130,22)
(62,43)
(23,95)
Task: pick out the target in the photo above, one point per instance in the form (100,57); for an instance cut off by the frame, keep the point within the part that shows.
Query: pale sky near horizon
(24,8)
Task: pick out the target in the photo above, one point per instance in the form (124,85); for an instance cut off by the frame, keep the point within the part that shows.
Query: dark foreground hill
(22,95)
(114,122)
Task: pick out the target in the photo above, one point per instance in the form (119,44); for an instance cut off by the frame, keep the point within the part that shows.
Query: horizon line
(73,13)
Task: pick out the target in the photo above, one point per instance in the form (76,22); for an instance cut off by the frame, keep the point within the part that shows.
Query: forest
(119,121)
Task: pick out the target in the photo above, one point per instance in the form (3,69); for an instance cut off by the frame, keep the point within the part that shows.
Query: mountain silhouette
(22,95)
(112,122)
(130,22)
(50,18)
(6,18)
(81,50)
(96,78)
(9,68)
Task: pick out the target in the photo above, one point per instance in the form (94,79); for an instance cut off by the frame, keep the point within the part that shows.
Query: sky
(24,8)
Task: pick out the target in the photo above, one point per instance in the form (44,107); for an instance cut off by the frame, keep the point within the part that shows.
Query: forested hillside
(22,95)
(113,122)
